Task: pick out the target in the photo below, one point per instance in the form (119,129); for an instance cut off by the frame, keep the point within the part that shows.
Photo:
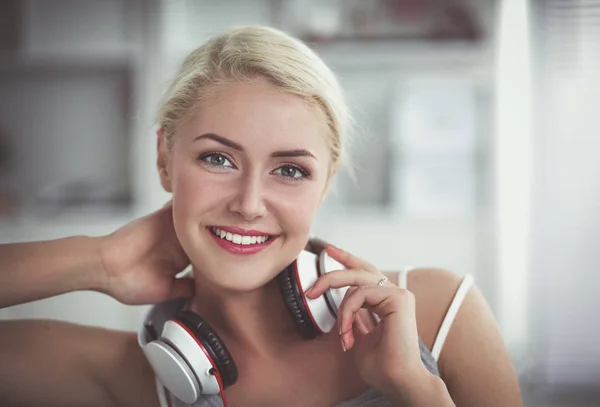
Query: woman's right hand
(140,261)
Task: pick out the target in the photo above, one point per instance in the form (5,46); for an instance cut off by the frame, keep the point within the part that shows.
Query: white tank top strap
(457,301)
(402,277)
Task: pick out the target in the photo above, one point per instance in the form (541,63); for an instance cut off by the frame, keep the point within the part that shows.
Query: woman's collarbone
(315,373)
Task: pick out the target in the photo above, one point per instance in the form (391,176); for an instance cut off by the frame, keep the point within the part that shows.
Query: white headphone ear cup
(295,302)
(311,316)
(180,341)
(173,371)
(216,355)
(322,313)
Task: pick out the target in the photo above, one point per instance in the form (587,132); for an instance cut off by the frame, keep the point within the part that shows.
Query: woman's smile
(241,241)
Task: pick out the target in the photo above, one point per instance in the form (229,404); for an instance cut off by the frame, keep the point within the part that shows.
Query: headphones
(190,359)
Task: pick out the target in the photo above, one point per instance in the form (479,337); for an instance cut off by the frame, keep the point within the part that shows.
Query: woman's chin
(232,283)
(242,275)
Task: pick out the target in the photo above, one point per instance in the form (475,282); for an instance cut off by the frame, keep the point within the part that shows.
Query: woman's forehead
(256,114)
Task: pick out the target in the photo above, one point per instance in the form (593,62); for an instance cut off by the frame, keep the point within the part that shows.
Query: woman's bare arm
(37,270)
(474,363)
(136,264)
(54,363)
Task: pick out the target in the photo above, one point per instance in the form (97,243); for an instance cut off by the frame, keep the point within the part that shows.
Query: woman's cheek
(300,209)
(190,184)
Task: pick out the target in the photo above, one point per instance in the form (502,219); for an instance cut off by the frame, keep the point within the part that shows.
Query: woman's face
(252,165)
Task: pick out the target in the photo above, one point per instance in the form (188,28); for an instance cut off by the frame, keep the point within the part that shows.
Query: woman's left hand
(386,353)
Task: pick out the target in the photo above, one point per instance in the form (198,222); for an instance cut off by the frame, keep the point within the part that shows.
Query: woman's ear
(162,160)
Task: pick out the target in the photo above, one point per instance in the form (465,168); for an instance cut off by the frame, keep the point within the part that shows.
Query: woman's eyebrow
(220,139)
(232,144)
(293,153)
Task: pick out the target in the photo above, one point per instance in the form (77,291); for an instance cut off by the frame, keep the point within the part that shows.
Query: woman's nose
(249,200)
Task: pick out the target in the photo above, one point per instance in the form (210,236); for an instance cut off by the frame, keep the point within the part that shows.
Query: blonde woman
(251,133)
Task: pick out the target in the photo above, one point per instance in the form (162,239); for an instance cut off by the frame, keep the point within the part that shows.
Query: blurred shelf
(23,64)
(361,54)
(464,56)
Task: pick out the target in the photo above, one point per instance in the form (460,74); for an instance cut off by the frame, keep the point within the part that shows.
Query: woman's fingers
(358,273)
(383,301)
(353,278)
(363,320)
(348,259)
(343,278)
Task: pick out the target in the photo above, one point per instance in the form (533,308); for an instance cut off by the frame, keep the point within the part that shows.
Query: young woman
(250,135)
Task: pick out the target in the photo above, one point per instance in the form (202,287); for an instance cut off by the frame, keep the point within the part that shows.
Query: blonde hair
(245,53)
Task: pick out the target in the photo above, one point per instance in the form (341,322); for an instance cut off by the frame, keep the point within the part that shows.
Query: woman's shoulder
(456,323)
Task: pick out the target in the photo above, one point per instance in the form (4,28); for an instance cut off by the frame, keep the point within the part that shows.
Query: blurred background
(475,147)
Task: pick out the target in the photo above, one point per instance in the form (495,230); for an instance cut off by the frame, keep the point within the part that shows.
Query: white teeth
(238,239)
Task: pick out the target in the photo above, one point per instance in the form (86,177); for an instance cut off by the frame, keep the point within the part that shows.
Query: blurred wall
(566,211)
(130,51)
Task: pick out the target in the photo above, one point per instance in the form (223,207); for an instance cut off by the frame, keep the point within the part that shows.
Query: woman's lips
(242,231)
(236,248)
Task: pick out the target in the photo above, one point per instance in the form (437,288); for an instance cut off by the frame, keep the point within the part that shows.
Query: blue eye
(291,171)
(216,160)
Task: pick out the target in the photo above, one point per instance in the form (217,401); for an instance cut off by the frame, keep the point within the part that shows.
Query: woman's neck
(255,322)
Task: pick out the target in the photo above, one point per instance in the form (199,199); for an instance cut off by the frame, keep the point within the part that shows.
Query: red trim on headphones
(212,362)
(304,297)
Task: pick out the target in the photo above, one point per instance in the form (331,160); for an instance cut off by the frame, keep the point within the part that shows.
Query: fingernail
(363,329)
(342,332)
(343,345)
(308,290)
